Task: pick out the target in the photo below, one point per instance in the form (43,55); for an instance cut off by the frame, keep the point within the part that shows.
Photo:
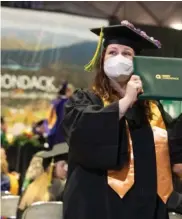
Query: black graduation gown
(175,143)
(175,140)
(98,142)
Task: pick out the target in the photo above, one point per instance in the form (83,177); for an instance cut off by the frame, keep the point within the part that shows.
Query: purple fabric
(55,135)
(46,127)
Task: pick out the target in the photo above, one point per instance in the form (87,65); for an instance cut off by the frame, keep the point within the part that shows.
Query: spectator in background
(34,170)
(41,131)
(56,114)
(5,181)
(175,140)
(4,141)
(65,91)
(60,172)
(9,181)
(46,187)
(177,169)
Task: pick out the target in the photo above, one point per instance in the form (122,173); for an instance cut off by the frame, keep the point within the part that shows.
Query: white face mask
(117,67)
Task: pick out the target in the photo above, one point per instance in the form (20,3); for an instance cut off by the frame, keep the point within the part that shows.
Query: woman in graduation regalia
(119,162)
(56,114)
(45,187)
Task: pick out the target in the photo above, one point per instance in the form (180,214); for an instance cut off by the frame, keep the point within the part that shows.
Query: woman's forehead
(119,46)
(60,162)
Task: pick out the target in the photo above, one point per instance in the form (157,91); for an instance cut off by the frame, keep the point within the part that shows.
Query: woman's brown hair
(35,168)
(101,84)
(36,191)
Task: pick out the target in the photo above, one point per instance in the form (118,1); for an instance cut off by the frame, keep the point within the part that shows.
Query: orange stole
(164,175)
(121,181)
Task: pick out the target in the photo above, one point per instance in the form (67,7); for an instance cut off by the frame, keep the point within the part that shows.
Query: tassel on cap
(51,171)
(26,183)
(90,66)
